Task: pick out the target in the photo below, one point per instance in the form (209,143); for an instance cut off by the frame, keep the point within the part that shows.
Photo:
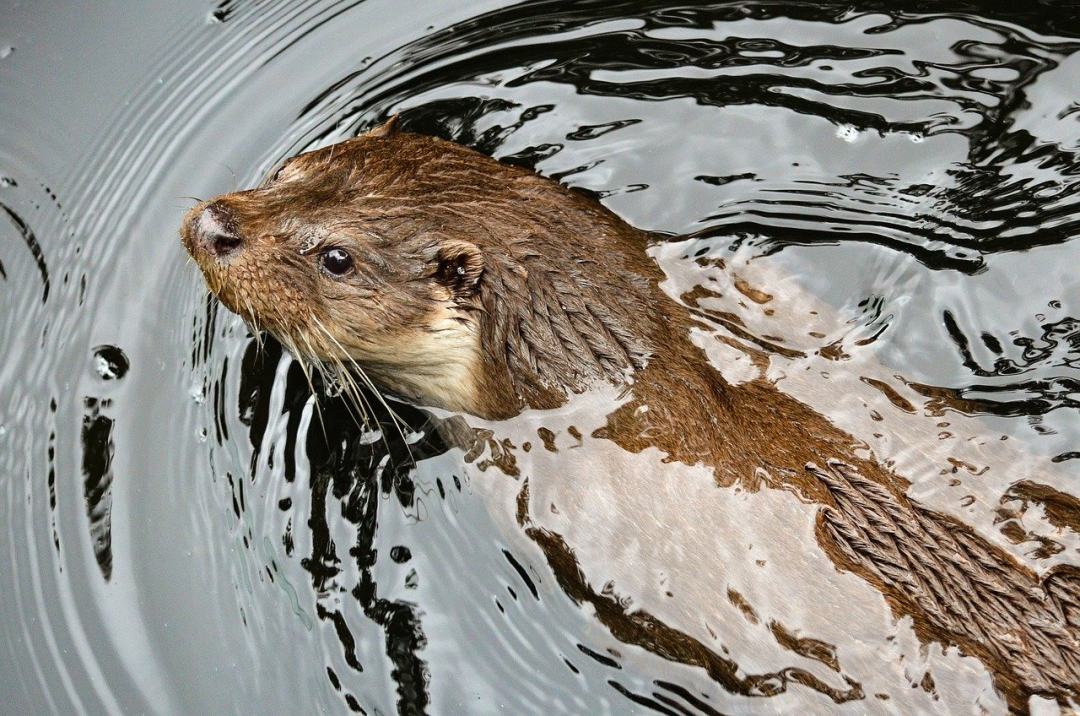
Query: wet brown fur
(562,294)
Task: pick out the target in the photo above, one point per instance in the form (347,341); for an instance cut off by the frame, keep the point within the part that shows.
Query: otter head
(343,264)
(446,277)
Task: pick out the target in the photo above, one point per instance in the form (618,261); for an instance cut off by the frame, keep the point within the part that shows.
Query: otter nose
(215,231)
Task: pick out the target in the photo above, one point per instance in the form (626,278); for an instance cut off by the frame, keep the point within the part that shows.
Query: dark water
(181,533)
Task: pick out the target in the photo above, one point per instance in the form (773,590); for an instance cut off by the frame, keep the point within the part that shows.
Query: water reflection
(880,201)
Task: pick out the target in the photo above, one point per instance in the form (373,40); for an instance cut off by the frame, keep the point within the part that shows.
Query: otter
(458,282)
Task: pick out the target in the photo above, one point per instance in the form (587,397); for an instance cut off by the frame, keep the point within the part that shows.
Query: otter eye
(337,262)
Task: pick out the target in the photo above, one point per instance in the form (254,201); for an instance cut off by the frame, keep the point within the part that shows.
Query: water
(183,535)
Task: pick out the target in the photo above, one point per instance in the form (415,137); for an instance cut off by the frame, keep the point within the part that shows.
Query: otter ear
(388,128)
(460,265)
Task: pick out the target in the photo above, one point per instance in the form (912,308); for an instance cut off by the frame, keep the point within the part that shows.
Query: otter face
(337,256)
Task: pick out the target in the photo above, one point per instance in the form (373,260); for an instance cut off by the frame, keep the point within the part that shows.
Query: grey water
(186,528)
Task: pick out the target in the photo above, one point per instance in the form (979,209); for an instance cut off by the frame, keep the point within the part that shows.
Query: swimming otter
(459,282)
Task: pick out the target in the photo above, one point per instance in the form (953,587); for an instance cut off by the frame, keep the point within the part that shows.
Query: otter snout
(213,231)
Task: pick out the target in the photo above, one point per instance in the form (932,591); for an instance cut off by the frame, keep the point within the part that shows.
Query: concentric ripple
(882,203)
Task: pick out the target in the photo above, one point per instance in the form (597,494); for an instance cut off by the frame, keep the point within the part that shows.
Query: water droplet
(847,132)
(110,362)
(370,437)
(333,386)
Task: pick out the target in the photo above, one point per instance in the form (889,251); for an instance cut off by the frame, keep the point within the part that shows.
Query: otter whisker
(341,378)
(399,421)
(355,390)
(305,367)
(314,393)
(348,385)
(355,398)
(287,337)
(395,419)
(287,343)
(256,333)
(236,182)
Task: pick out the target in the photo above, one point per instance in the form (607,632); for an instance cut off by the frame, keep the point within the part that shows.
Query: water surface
(184,533)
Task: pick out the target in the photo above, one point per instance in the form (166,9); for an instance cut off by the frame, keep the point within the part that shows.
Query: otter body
(458,282)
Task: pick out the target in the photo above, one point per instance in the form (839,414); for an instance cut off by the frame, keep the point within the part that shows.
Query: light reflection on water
(184,534)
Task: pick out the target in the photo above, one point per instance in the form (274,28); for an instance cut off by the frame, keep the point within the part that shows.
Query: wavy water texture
(873,207)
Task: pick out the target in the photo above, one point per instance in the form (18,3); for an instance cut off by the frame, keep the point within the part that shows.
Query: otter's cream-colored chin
(438,364)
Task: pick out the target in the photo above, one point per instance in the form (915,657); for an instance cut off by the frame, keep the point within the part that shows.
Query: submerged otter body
(458,282)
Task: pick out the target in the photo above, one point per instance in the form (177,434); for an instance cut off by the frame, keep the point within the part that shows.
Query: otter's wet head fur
(400,253)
